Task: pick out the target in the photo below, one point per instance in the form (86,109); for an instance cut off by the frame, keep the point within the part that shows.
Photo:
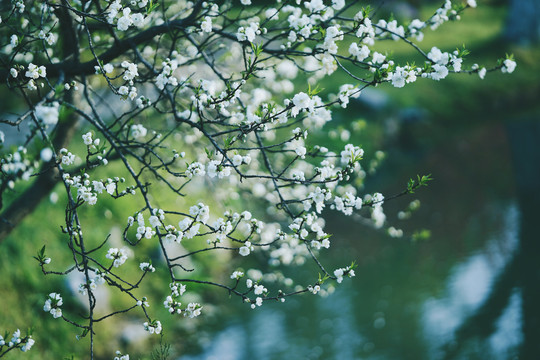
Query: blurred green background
(470,290)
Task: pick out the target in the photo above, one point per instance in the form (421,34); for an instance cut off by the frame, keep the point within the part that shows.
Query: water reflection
(469,287)
(461,295)
(268,333)
(508,338)
(385,318)
(229,344)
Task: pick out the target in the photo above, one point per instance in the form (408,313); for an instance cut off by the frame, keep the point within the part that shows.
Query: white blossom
(146,267)
(206,25)
(378,58)
(35,72)
(67,157)
(440,73)
(193,310)
(138,20)
(119,256)
(130,71)
(301,101)
(87,138)
(138,131)
(51,39)
(237,275)
(53,304)
(248,33)
(360,53)
(48,114)
(125,21)
(482,73)
(153,327)
(246,249)
(28,344)
(508,66)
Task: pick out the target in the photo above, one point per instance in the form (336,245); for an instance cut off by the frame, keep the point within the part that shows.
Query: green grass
(24,288)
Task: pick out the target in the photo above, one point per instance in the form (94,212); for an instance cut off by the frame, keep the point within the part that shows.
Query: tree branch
(73,68)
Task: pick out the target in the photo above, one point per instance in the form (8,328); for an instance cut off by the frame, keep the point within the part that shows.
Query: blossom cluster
(24,343)
(84,288)
(118,256)
(88,190)
(341,272)
(120,356)
(237,95)
(17,166)
(53,304)
(174,306)
(153,327)
(126,19)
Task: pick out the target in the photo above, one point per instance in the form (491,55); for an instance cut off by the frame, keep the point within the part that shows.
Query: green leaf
(313,92)
(412,184)
(151,7)
(421,235)
(322,279)
(209,153)
(257,49)
(367,11)
(463,52)
(40,255)
(229,141)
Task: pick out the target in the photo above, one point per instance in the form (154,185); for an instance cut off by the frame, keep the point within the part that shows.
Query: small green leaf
(209,153)
(313,92)
(421,235)
(412,184)
(229,141)
(151,7)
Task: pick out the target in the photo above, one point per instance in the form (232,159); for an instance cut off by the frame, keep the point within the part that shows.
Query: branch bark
(26,203)
(73,68)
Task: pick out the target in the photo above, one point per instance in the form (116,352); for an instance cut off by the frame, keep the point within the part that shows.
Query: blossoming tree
(156,101)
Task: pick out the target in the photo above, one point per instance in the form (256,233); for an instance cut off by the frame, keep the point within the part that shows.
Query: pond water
(454,296)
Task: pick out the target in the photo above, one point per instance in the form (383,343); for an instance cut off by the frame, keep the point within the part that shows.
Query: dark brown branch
(72,68)
(26,202)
